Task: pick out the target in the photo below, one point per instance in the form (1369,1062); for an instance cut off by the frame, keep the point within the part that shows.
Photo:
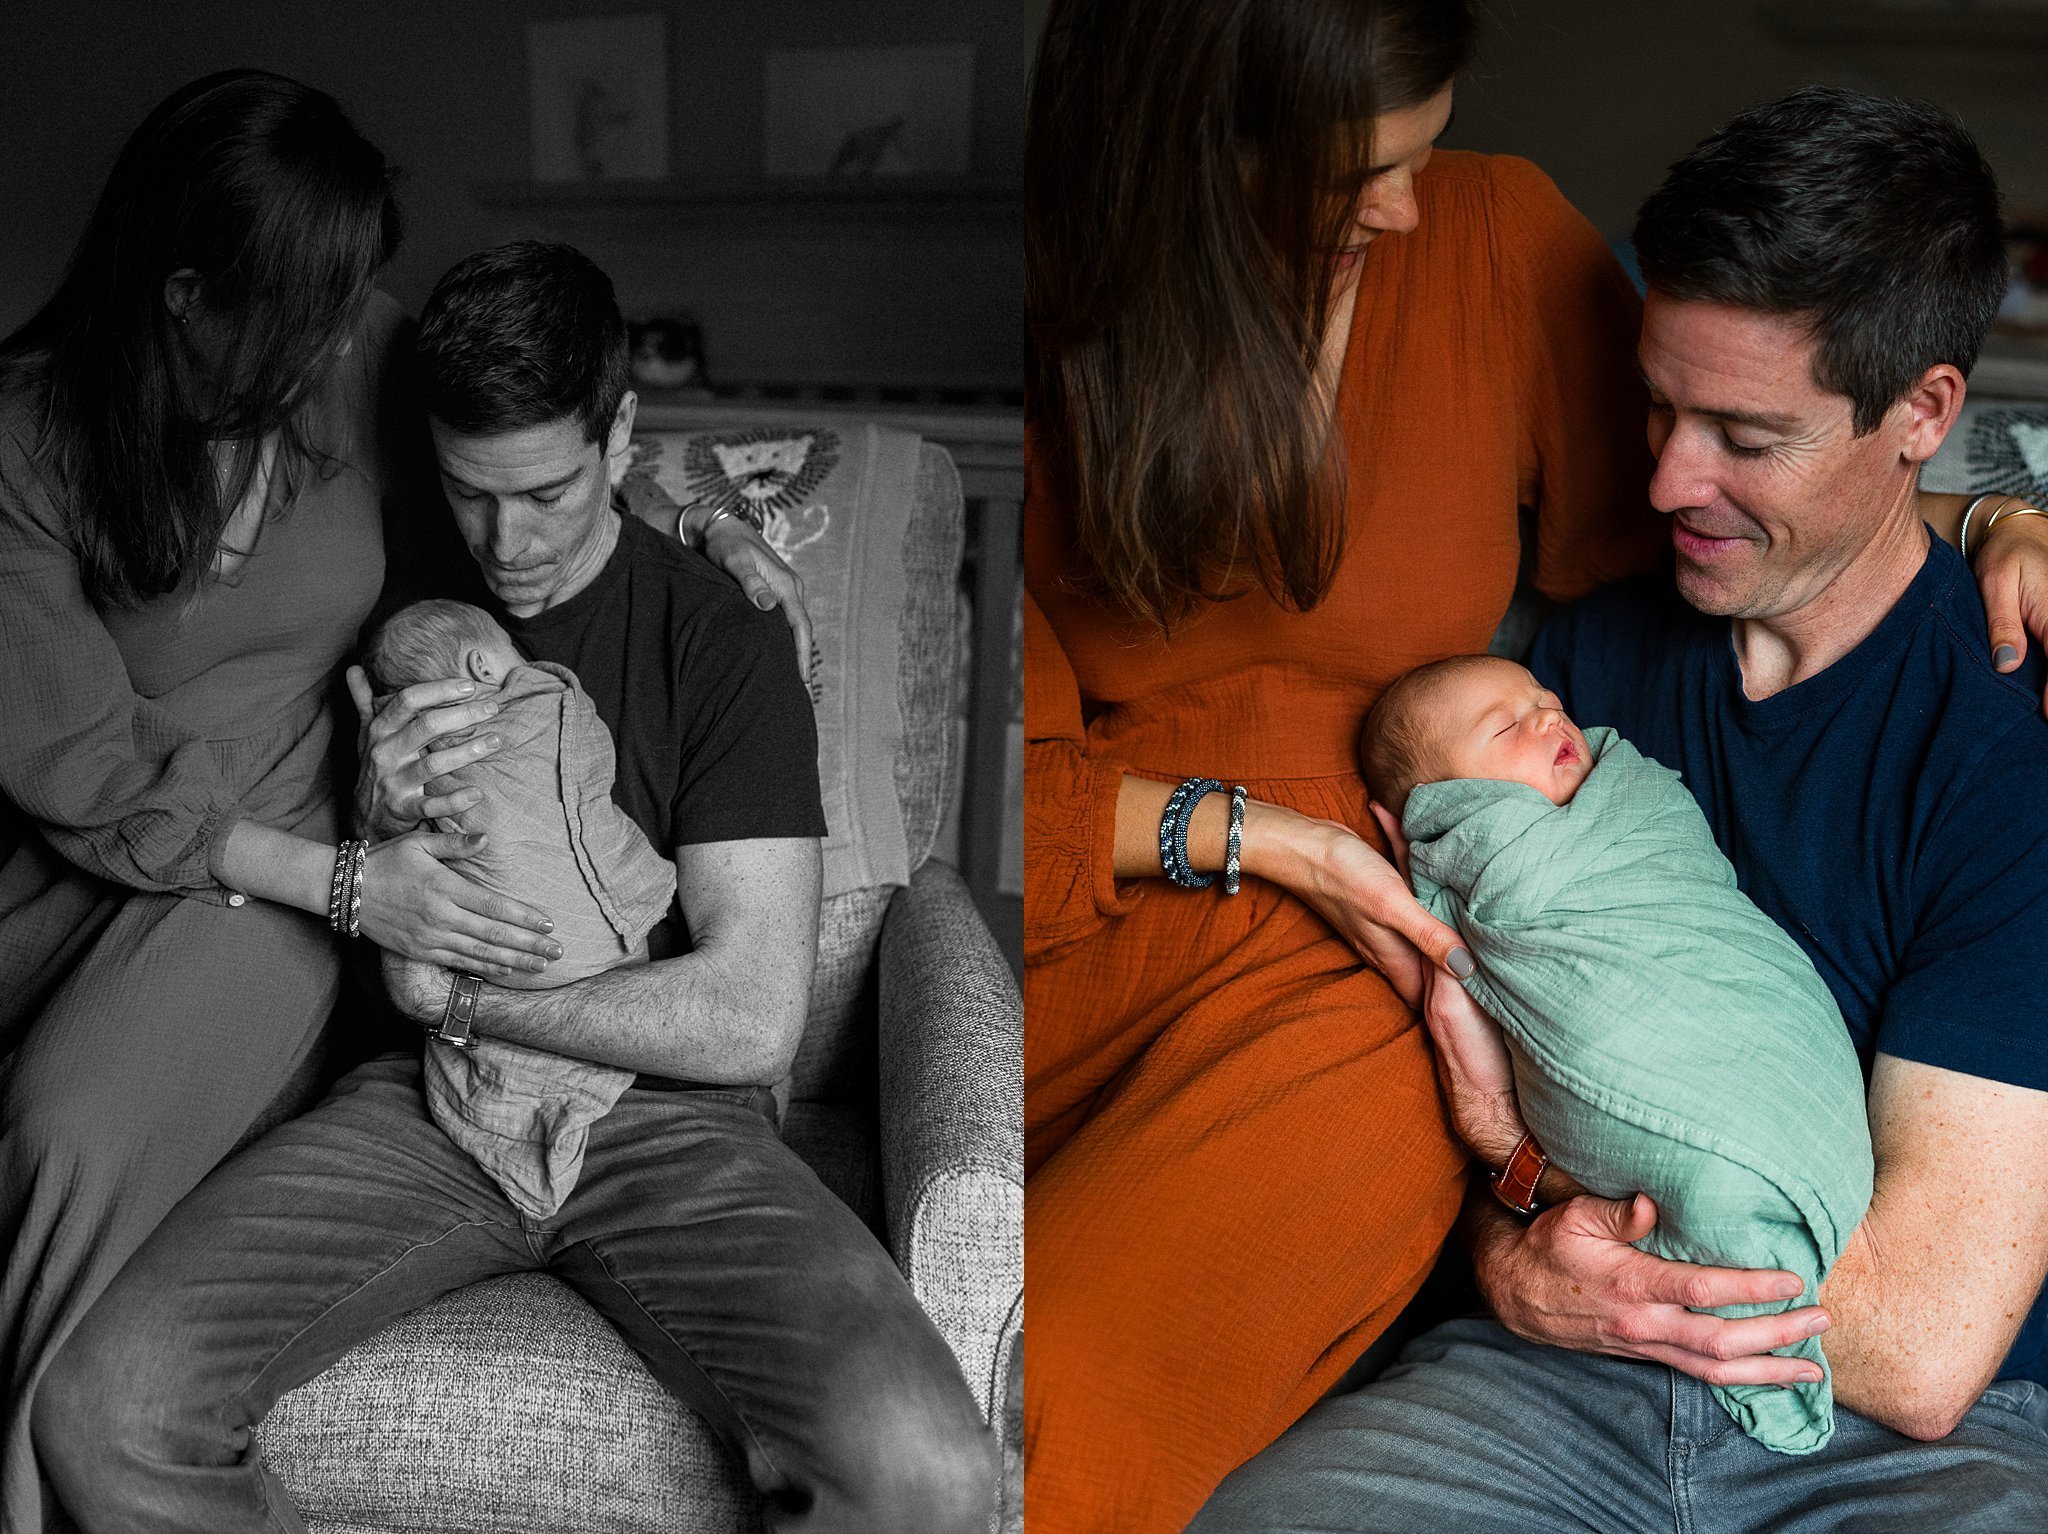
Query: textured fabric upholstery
(509,1408)
(513,1406)
(952,1068)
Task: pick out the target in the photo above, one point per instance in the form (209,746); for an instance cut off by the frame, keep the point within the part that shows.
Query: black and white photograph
(511,736)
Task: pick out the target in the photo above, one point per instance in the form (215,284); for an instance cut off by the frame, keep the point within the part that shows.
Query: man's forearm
(676,1017)
(1908,1348)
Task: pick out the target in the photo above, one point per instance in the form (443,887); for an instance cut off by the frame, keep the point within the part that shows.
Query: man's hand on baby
(1473,1065)
(417,989)
(1574,1278)
(415,906)
(405,747)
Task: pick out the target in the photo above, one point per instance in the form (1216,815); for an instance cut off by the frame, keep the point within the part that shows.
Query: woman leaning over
(1293,373)
(190,483)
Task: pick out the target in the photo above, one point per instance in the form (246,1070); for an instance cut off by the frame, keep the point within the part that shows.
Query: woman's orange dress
(1238,1167)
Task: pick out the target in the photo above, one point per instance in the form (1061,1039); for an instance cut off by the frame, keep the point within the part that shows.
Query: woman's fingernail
(466,688)
(1816,1326)
(764,601)
(2004,656)
(553,951)
(546,925)
(1809,1376)
(1460,963)
(1790,1288)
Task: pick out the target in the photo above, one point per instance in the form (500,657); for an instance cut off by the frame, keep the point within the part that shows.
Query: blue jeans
(1478,1432)
(753,1294)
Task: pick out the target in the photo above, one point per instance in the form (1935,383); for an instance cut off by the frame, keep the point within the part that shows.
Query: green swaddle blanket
(1667,1036)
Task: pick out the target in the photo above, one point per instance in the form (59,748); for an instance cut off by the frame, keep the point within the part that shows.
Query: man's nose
(1681,478)
(508,535)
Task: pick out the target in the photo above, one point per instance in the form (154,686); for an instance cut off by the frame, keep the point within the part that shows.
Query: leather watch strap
(458,1018)
(1515,1184)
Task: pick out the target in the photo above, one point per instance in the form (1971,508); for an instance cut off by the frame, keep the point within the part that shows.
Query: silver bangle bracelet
(1969,511)
(1233,843)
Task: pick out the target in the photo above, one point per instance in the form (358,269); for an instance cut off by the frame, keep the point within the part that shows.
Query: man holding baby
(1821,274)
(752,1293)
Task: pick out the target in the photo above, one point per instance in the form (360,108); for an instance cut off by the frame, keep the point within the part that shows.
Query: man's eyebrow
(553,484)
(1761,420)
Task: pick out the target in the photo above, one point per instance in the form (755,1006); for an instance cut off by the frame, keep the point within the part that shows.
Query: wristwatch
(1515,1183)
(458,1017)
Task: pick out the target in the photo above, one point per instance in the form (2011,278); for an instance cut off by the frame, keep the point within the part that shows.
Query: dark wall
(1604,94)
(441,87)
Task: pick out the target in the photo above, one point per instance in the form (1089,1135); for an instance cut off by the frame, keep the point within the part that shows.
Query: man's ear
(1932,407)
(482,669)
(621,433)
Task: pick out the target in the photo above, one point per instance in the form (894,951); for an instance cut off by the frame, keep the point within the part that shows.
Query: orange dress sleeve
(1070,886)
(1584,462)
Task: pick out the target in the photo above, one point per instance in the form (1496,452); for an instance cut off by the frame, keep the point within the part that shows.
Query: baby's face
(1498,721)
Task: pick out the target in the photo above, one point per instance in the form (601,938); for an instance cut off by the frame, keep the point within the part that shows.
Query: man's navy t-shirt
(1886,813)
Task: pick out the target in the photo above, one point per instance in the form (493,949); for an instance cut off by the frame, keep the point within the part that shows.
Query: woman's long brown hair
(1190,170)
(264,188)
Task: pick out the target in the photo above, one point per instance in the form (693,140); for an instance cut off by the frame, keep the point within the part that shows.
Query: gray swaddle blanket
(556,841)
(1667,1036)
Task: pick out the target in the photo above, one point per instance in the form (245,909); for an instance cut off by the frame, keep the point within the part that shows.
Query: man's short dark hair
(1875,218)
(519,336)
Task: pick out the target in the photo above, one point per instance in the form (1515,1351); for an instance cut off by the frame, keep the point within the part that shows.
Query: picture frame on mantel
(600,98)
(868,113)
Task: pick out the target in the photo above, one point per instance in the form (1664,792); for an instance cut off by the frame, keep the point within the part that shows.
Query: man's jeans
(752,1293)
(1479,1432)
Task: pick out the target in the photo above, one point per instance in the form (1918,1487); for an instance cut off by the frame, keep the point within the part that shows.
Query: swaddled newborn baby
(555,840)
(1667,1036)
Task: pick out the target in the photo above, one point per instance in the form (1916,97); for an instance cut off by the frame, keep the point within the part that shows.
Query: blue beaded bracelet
(1173,833)
(1234,843)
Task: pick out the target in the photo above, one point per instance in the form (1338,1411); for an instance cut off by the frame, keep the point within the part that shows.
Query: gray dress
(147,1015)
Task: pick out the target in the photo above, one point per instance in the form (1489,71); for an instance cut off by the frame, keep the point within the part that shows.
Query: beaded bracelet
(345,889)
(1173,833)
(1233,844)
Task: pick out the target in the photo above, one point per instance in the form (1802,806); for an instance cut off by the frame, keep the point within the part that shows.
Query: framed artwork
(864,112)
(599,88)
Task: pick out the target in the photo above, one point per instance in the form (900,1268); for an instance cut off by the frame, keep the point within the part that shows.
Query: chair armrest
(952,1108)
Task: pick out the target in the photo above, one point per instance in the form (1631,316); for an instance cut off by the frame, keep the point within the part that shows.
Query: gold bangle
(2005,511)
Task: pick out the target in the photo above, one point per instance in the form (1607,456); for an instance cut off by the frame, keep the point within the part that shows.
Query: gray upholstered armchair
(512,1406)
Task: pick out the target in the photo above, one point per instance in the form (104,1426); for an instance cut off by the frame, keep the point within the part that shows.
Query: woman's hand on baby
(1573,1278)
(764,576)
(418,737)
(415,906)
(1363,896)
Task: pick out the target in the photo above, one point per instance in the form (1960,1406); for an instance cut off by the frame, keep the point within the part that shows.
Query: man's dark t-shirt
(712,724)
(1885,813)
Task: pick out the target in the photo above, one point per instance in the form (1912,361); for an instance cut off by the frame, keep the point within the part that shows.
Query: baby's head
(1472,716)
(432,640)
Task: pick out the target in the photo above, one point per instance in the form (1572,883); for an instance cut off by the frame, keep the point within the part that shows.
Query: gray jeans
(1477,1431)
(752,1293)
